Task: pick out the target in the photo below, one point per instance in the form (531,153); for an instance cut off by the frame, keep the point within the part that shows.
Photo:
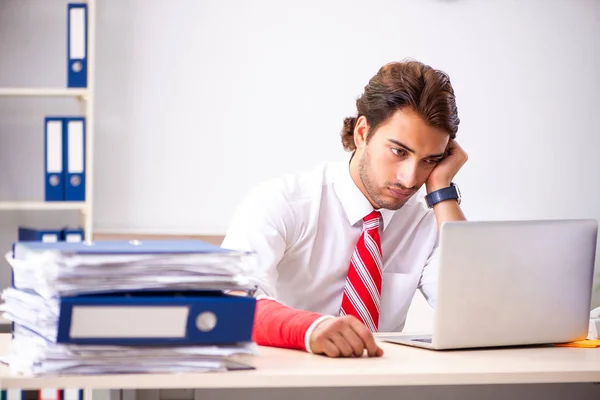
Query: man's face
(398,157)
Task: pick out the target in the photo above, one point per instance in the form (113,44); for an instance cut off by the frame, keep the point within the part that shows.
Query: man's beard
(364,171)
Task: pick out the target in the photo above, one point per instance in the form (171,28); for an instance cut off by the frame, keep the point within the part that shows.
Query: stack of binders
(128,307)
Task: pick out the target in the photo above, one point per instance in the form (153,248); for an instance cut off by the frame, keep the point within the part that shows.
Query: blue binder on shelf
(43,235)
(72,234)
(54,159)
(77,41)
(156,318)
(74,158)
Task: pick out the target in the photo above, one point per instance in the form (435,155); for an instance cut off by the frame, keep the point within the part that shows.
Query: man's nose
(407,174)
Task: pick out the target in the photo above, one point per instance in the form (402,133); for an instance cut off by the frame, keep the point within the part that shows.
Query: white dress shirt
(304,227)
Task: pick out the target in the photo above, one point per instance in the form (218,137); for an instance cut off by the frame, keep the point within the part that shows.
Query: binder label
(129,322)
(54,160)
(14,394)
(77,37)
(49,238)
(73,237)
(76,149)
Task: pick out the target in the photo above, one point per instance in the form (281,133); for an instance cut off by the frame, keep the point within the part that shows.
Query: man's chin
(393,205)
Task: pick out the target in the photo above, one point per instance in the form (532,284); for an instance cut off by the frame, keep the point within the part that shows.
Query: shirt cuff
(311,329)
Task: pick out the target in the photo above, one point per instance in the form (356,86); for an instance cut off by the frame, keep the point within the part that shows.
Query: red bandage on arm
(277,325)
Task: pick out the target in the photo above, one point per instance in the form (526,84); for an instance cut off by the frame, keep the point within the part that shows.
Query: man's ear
(361,131)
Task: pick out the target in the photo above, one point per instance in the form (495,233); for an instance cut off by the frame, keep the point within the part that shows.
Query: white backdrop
(199,100)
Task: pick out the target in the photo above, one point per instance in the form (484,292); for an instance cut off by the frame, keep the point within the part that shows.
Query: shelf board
(42,205)
(43,92)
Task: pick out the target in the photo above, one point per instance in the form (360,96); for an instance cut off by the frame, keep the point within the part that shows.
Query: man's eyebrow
(405,147)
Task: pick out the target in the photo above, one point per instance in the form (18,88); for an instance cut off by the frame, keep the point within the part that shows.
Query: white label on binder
(54,147)
(70,394)
(73,237)
(14,394)
(49,238)
(49,394)
(77,33)
(128,322)
(75,147)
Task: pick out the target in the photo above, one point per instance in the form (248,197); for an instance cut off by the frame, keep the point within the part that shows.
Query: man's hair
(405,84)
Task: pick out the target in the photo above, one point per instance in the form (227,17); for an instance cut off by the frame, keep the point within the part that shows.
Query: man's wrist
(433,186)
(311,329)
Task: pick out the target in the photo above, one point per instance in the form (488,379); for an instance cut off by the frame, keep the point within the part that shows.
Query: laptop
(511,283)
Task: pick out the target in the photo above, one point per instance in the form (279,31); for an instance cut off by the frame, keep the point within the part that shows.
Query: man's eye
(398,152)
(436,161)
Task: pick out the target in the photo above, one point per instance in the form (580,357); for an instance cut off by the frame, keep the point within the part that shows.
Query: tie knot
(372,220)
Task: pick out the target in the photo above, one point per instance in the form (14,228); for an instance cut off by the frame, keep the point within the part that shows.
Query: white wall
(190,90)
(198,100)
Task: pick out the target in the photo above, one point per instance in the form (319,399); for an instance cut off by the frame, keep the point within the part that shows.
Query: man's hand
(343,337)
(443,173)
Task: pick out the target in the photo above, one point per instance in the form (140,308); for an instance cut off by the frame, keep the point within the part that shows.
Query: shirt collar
(355,204)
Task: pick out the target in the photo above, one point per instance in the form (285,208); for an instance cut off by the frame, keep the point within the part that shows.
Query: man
(343,248)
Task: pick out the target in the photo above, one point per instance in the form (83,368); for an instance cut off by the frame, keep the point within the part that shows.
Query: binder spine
(53,159)
(77,45)
(74,138)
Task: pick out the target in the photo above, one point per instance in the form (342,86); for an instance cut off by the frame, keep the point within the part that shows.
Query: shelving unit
(42,205)
(44,92)
(85,96)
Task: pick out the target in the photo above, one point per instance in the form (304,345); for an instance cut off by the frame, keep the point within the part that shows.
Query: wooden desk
(400,366)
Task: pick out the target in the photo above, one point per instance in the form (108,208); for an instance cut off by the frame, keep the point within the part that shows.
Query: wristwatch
(448,193)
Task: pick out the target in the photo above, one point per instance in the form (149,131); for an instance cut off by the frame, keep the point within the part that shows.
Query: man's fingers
(367,337)
(342,344)
(355,341)
(329,348)
(344,336)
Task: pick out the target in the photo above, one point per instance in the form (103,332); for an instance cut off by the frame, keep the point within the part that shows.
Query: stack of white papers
(31,311)
(158,306)
(53,274)
(31,354)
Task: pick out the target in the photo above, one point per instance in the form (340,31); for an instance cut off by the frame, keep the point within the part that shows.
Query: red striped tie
(362,292)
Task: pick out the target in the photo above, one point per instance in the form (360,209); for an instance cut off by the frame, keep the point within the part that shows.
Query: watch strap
(448,193)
